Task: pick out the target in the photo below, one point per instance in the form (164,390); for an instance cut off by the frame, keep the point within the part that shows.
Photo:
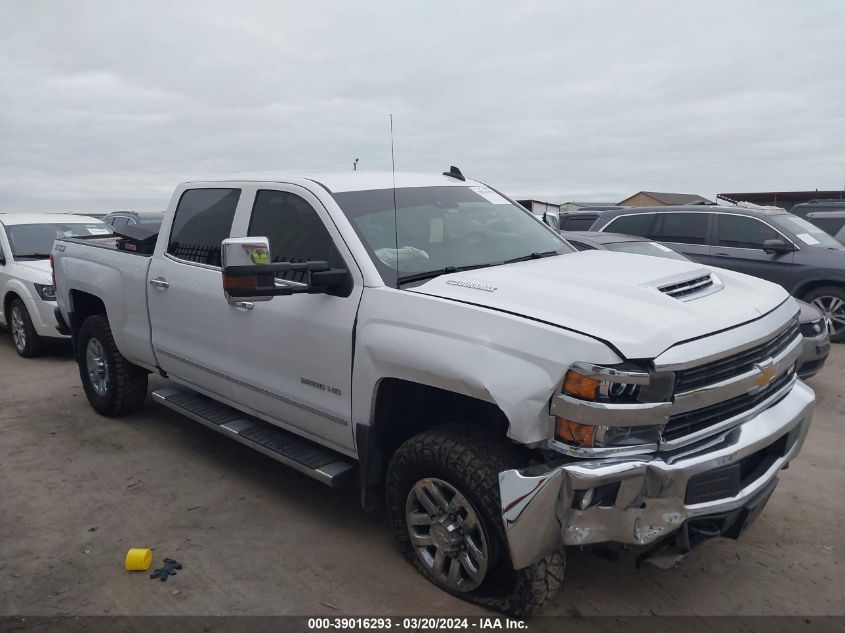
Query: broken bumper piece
(641,501)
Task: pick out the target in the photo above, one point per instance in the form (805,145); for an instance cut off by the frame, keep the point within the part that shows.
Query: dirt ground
(77,490)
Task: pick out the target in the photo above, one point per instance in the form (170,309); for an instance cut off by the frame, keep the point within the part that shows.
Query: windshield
(808,234)
(444,228)
(36,240)
(646,248)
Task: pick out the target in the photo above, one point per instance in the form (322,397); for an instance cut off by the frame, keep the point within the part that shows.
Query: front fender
(509,361)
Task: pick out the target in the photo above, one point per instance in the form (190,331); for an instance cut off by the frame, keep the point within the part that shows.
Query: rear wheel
(444,504)
(25,338)
(830,301)
(113,385)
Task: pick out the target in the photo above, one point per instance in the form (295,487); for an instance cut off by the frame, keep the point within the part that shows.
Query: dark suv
(771,244)
(828,215)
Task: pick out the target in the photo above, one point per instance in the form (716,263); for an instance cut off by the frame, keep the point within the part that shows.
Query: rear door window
(638,224)
(203,220)
(578,222)
(736,231)
(682,228)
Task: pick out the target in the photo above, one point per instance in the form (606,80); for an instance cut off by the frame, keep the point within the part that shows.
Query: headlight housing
(811,329)
(45,291)
(612,408)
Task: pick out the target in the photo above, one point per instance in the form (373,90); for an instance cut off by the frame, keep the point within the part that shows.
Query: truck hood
(39,268)
(613,297)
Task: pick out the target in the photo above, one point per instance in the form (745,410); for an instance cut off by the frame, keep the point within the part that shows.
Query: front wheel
(830,301)
(444,504)
(113,385)
(26,339)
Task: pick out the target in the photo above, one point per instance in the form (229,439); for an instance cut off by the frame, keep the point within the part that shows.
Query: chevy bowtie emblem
(767,374)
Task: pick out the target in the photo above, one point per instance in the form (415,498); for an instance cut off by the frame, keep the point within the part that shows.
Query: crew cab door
(287,360)
(738,245)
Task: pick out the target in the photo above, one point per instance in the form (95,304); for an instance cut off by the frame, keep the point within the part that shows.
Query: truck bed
(98,268)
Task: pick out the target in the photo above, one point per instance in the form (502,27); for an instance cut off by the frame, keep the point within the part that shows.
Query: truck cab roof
(342,181)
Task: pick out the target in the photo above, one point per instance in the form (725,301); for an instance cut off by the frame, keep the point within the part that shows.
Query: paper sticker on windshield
(807,239)
(98,231)
(489,195)
(661,247)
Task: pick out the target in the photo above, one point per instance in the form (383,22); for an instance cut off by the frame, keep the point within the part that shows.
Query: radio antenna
(395,212)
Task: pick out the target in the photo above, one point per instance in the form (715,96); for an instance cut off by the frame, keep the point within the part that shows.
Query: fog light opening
(586,499)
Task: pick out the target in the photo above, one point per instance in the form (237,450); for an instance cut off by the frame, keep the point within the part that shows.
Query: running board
(307,457)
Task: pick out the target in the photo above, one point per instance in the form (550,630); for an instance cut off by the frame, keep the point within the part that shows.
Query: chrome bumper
(537,507)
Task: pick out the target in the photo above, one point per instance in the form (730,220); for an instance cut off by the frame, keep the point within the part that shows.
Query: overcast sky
(107,105)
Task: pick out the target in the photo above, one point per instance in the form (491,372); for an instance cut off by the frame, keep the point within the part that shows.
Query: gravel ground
(77,490)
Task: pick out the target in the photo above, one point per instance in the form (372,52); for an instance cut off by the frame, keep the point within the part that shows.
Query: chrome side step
(307,457)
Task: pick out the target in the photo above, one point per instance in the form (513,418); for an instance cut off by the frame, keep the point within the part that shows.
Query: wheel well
(405,409)
(7,302)
(83,305)
(808,287)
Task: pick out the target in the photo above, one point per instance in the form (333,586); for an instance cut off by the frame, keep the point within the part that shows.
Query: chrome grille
(736,364)
(689,287)
(683,424)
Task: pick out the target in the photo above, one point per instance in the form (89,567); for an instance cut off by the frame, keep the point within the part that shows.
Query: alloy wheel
(18,328)
(833,310)
(447,534)
(97,367)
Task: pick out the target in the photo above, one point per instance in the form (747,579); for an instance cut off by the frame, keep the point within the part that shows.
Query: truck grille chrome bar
(736,364)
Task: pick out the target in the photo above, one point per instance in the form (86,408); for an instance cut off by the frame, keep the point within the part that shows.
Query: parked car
(122,219)
(596,240)
(582,220)
(770,243)
(27,296)
(428,337)
(816,345)
(828,215)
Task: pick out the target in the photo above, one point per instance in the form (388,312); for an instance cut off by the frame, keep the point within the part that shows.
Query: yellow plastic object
(139,559)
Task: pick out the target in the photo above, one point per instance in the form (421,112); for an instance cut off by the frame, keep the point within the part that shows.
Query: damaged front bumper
(643,500)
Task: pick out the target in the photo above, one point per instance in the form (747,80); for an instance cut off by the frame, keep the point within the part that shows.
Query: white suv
(27,296)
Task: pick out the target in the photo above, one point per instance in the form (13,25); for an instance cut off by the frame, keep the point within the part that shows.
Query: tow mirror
(777,246)
(250,273)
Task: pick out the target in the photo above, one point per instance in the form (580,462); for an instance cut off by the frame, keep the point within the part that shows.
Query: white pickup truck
(434,343)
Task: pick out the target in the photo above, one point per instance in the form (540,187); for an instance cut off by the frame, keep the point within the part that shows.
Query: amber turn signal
(574,433)
(575,384)
(232,281)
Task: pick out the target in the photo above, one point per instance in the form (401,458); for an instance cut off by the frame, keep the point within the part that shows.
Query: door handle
(160,282)
(721,254)
(243,305)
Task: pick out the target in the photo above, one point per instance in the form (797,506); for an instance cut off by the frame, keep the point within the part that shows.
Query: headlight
(46,292)
(602,407)
(813,328)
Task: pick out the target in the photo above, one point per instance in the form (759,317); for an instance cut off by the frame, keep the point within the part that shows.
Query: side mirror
(249,273)
(777,246)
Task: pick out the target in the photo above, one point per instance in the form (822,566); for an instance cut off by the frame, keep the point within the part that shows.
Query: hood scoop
(692,288)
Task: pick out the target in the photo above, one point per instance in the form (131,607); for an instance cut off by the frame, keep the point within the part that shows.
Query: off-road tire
(829,291)
(127,383)
(470,459)
(34,344)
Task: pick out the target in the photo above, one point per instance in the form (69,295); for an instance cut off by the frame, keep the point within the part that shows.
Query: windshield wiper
(33,255)
(431,274)
(525,258)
